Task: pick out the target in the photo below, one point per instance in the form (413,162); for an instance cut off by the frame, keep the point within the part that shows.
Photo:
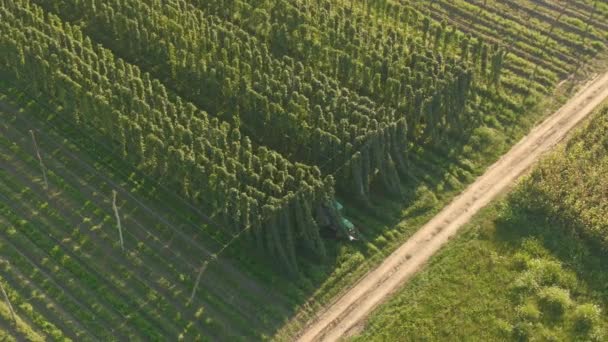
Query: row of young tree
(352,107)
(218,169)
(356,47)
(315,120)
(400,68)
(203,66)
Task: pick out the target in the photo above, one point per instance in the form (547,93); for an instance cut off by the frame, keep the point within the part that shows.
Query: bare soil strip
(377,285)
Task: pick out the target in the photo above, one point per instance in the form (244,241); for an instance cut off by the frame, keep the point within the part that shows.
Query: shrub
(485,139)
(586,316)
(452,182)
(464,176)
(521,261)
(505,328)
(468,165)
(529,312)
(372,248)
(534,248)
(597,46)
(554,301)
(526,283)
(544,333)
(425,200)
(391,235)
(380,241)
(522,331)
(549,273)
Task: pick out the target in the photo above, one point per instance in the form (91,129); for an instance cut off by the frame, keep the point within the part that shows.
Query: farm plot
(67,234)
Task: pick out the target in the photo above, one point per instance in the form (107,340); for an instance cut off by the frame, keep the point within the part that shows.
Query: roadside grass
(477,287)
(514,273)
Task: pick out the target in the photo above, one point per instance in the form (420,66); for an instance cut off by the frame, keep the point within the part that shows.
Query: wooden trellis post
(46,183)
(122,244)
(198,278)
(8,302)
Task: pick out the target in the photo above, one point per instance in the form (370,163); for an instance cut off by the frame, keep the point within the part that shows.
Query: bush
(451,182)
(505,328)
(380,241)
(522,331)
(525,284)
(551,273)
(586,317)
(486,140)
(521,261)
(597,46)
(371,248)
(425,200)
(554,301)
(464,176)
(529,312)
(544,333)
(534,248)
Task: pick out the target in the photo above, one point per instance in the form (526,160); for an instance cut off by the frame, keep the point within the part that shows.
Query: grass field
(65,272)
(520,270)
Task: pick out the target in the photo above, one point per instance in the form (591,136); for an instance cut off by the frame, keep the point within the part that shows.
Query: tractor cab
(333,224)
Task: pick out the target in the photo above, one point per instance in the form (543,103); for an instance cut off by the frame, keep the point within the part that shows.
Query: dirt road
(377,285)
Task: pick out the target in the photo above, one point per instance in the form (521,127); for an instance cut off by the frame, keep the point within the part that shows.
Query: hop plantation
(243,140)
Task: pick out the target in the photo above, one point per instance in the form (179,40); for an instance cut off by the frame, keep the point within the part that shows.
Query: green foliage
(554,301)
(183,147)
(485,140)
(529,312)
(586,317)
(425,200)
(542,272)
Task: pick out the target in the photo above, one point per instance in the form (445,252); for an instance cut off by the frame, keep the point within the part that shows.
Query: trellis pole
(46,183)
(198,278)
(122,243)
(8,302)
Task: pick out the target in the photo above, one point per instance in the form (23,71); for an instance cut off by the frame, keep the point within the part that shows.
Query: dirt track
(375,287)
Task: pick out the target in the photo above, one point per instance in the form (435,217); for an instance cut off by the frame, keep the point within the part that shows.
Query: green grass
(475,288)
(517,272)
